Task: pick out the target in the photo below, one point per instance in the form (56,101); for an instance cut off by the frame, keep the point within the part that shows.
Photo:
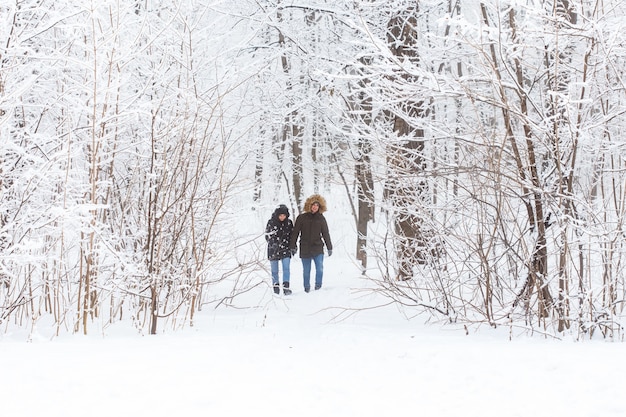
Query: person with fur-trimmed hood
(277,234)
(312,228)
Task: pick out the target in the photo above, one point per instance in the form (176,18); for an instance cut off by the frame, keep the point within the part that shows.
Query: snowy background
(145,144)
(325,353)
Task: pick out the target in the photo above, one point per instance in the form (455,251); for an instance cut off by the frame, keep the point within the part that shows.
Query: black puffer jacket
(277,235)
(311,228)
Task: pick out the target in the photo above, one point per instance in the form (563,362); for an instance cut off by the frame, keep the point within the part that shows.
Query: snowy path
(289,357)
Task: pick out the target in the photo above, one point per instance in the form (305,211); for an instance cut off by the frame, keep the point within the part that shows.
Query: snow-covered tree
(478,145)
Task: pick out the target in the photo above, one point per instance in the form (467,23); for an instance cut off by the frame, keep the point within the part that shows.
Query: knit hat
(282,209)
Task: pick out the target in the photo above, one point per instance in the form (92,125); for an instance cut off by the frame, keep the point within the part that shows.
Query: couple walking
(282,238)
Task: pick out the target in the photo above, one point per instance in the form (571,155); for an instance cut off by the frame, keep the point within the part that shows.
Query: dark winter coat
(311,228)
(277,235)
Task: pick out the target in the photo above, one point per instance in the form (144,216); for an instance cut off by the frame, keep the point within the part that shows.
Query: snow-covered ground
(306,356)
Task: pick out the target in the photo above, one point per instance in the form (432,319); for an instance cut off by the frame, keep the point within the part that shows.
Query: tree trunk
(363,173)
(528,174)
(292,130)
(405,158)
(564,148)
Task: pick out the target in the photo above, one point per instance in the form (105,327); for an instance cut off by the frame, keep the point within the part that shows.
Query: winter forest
(478,146)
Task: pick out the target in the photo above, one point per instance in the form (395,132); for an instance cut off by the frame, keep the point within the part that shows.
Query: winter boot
(317,287)
(276,288)
(286,289)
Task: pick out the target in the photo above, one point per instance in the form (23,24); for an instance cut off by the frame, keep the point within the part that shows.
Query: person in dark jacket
(277,234)
(312,229)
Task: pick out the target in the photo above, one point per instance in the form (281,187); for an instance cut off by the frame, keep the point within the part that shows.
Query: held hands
(294,250)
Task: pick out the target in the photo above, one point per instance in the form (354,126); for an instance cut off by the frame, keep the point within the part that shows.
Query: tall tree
(405,184)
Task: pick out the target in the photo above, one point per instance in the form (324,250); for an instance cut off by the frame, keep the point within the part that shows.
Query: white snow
(306,356)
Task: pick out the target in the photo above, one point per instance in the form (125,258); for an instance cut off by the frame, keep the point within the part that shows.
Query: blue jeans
(286,271)
(319,270)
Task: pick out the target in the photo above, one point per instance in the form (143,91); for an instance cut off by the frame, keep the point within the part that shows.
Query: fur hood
(312,199)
